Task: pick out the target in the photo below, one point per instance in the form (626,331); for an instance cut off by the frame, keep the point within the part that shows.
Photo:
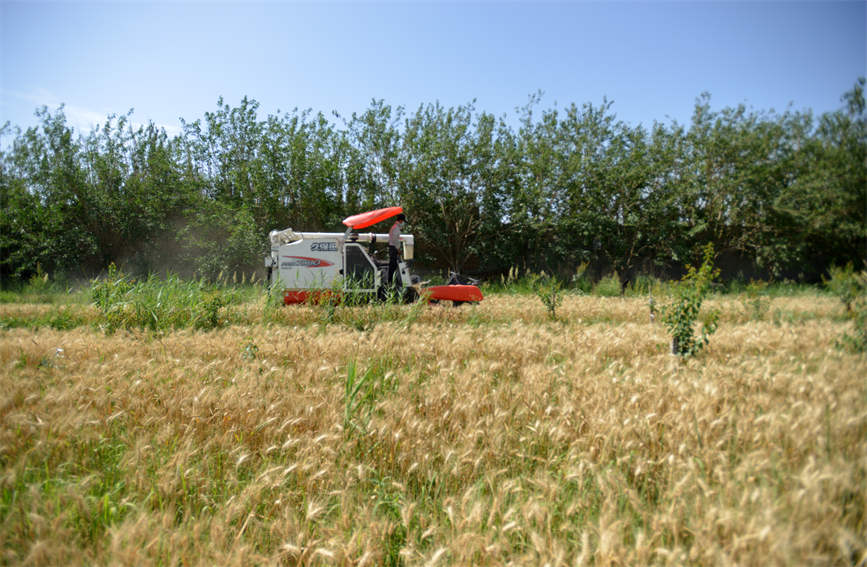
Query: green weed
(550,292)
(609,286)
(157,305)
(61,318)
(756,303)
(362,391)
(851,288)
(847,284)
(681,316)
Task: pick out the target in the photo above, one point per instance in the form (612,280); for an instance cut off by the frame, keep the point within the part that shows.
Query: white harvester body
(307,264)
(336,261)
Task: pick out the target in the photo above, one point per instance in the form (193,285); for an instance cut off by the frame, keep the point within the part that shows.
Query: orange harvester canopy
(364,220)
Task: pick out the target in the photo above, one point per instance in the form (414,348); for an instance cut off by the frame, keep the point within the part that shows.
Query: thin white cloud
(80,118)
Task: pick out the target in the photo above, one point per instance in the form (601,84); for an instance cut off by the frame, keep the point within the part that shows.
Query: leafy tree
(374,142)
(784,193)
(441,183)
(531,224)
(825,201)
(52,209)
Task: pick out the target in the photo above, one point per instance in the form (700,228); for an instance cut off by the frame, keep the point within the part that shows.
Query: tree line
(779,195)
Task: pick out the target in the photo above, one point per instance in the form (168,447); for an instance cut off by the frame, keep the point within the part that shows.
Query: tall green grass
(160,304)
(522,282)
(41,288)
(60,317)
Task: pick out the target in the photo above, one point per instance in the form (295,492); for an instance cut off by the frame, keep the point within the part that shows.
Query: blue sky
(652,59)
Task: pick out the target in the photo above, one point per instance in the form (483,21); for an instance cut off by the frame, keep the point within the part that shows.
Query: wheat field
(480,435)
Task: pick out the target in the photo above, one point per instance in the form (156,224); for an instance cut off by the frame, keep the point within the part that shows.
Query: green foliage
(512,282)
(350,302)
(225,242)
(98,471)
(271,298)
(757,304)
(110,290)
(250,350)
(851,288)
(415,308)
(39,283)
(580,283)
(782,193)
(208,317)
(680,317)
(362,391)
(846,284)
(155,304)
(549,290)
(857,340)
(61,318)
(41,288)
(608,286)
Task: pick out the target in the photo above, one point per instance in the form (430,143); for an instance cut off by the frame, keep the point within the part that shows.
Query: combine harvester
(310,264)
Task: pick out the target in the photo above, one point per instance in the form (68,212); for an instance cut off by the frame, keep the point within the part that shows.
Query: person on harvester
(393,247)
